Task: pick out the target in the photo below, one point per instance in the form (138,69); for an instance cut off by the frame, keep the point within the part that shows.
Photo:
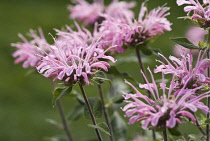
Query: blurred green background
(25,99)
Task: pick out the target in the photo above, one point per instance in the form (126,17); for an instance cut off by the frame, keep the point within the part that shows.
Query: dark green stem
(90,111)
(106,115)
(165,135)
(208,99)
(142,68)
(64,122)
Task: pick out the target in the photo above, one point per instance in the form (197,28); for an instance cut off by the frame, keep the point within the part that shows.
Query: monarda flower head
(184,71)
(132,33)
(91,13)
(199,12)
(27,51)
(164,109)
(74,61)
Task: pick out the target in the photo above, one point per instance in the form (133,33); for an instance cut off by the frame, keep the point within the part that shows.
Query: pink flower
(194,34)
(199,11)
(184,70)
(73,59)
(117,32)
(91,13)
(86,12)
(27,51)
(120,9)
(165,109)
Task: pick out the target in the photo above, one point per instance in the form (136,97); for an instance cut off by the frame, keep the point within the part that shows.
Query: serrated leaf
(60,92)
(174,131)
(102,127)
(185,43)
(96,106)
(76,113)
(100,77)
(119,127)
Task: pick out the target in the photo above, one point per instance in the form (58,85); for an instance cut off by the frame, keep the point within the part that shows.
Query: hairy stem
(106,116)
(90,111)
(208,98)
(64,122)
(165,135)
(142,68)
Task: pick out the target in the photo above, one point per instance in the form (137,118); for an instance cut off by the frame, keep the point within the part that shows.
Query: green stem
(106,115)
(208,98)
(142,68)
(65,125)
(90,111)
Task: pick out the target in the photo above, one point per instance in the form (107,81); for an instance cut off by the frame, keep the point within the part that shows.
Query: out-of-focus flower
(27,51)
(184,71)
(120,10)
(116,32)
(200,12)
(165,109)
(91,13)
(86,12)
(75,59)
(194,34)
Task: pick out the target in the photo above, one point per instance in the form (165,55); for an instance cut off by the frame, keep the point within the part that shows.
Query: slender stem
(142,68)
(165,135)
(208,98)
(199,127)
(90,111)
(65,125)
(106,115)
(140,62)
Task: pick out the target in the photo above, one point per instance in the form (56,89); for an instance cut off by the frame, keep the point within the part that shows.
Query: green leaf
(119,127)
(79,98)
(55,139)
(194,137)
(145,50)
(61,92)
(76,113)
(207,121)
(113,70)
(156,52)
(175,131)
(100,77)
(96,106)
(102,127)
(55,123)
(185,43)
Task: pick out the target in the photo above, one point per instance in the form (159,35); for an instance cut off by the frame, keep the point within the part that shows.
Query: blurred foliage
(26,100)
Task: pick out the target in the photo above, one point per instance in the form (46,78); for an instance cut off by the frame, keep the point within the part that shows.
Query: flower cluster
(165,109)
(131,33)
(91,13)
(27,51)
(200,12)
(73,57)
(184,71)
